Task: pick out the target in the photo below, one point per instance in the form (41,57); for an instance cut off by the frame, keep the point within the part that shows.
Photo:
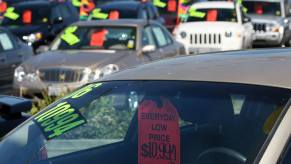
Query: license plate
(56,90)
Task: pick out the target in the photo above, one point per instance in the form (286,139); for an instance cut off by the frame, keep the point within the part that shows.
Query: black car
(38,22)
(12,52)
(127,10)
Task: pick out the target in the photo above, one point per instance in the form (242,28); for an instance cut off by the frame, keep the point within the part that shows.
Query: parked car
(38,22)
(271,20)
(87,51)
(127,10)
(215,26)
(229,108)
(11,112)
(12,53)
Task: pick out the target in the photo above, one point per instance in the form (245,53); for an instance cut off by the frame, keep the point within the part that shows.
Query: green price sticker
(198,14)
(11,14)
(69,36)
(59,120)
(76,3)
(96,13)
(83,91)
(160,4)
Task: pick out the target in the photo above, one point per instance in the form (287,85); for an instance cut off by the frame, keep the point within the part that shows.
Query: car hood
(265,18)
(26,30)
(208,27)
(75,58)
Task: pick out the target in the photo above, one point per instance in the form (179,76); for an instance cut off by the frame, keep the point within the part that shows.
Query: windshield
(226,15)
(120,13)
(27,16)
(263,8)
(105,38)
(149,121)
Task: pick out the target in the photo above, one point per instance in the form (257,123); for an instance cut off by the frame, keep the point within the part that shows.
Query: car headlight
(33,37)
(93,75)
(19,74)
(183,34)
(273,28)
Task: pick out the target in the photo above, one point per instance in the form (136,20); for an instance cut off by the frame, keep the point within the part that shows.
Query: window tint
(56,12)
(5,42)
(160,36)
(147,37)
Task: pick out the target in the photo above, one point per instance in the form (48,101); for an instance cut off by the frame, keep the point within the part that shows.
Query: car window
(144,14)
(5,42)
(211,14)
(65,11)
(286,158)
(147,37)
(151,121)
(263,8)
(160,36)
(56,12)
(105,38)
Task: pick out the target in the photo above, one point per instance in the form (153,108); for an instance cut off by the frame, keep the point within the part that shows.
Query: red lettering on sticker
(98,38)
(172,5)
(158,133)
(27,17)
(113,15)
(3,7)
(259,8)
(212,15)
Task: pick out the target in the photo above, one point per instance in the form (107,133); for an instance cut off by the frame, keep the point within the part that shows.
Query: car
(271,20)
(38,22)
(214,26)
(12,112)
(228,107)
(127,10)
(90,50)
(12,53)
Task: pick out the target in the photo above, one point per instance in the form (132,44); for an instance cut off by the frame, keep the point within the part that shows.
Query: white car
(214,26)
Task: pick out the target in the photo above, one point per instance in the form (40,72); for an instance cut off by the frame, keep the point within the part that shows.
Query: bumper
(268,38)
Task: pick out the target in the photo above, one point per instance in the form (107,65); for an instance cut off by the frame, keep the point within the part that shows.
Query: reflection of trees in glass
(104,121)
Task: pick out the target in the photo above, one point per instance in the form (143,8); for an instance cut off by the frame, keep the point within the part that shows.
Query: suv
(38,22)
(271,20)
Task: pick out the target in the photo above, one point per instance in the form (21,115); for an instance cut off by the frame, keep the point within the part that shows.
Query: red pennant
(87,8)
(212,15)
(3,7)
(259,8)
(172,5)
(158,133)
(113,15)
(97,38)
(27,17)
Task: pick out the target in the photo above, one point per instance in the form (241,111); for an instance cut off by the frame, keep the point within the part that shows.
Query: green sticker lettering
(76,3)
(11,14)
(51,112)
(69,37)
(159,4)
(83,91)
(198,14)
(96,13)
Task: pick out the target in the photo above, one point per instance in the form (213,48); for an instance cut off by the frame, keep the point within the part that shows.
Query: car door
(148,39)
(165,43)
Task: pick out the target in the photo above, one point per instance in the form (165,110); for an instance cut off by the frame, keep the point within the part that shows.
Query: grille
(60,74)
(205,38)
(260,27)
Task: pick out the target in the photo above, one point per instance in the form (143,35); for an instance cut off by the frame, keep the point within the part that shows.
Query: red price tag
(98,38)
(27,17)
(172,5)
(259,8)
(3,7)
(212,15)
(158,133)
(113,15)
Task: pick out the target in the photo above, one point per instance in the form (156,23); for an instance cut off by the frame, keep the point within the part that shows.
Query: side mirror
(148,49)
(58,20)
(10,105)
(247,19)
(42,49)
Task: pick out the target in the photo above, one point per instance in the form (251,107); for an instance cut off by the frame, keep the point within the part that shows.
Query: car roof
(122,5)
(214,4)
(268,67)
(263,0)
(119,22)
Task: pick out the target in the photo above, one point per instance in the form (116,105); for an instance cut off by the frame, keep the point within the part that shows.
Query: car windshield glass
(105,38)
(263,8)
(28,16)
(5,42)
(109,122)
(118,13)
(195,15)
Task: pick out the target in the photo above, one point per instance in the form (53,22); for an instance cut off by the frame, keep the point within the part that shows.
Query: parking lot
(145,81)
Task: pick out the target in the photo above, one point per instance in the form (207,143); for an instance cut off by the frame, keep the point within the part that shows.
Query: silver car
(87,51)
(271,20)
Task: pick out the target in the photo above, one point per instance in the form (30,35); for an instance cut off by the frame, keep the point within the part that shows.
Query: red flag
(172,5)
(259,8)
(27,17)
(3,7)
(98,38)
(212,15)
(113,15)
